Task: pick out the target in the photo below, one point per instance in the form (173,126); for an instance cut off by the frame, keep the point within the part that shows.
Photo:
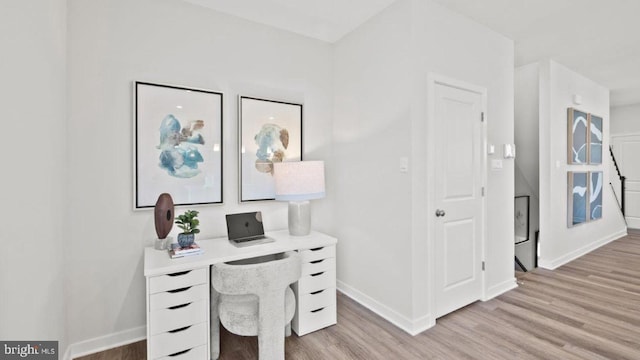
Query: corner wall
(115,42)
(381,72)
(32,90)
(558,243)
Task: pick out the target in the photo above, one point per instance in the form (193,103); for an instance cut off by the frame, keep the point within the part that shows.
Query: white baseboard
(412,327)
(500,289)
(106,342)
(67,354)
(633,222)
(556,263)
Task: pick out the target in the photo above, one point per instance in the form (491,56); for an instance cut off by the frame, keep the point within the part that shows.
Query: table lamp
(298,182)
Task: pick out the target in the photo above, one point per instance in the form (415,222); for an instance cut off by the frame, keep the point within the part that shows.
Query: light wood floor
(588,309)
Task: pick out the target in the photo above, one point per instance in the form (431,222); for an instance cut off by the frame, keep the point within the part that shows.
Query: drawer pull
(316,310)
(317,249)
(317,261)
(180,273)
(316,274)
(180,353)
(179,290)
(178,330)
(178,306)
(317,292)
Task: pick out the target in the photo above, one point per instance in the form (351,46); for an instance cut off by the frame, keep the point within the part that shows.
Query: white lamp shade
(299,180)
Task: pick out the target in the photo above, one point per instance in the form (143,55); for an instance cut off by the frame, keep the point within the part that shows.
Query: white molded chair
(252,297)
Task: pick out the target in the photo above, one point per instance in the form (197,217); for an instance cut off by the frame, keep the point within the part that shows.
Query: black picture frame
(268,131)
(178,145)
(521,219)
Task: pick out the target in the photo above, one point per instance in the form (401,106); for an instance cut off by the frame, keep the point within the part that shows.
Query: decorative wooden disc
(164,215)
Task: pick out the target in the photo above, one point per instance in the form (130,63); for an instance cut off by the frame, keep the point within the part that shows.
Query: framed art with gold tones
(270,132)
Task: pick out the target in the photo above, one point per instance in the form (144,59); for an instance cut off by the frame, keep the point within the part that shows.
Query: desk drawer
(317,266)
(314,282)
(320,253)
(179,316)
(196,353)
(177,280)
(306,322)
(317,300)
(175,297)
(169,343)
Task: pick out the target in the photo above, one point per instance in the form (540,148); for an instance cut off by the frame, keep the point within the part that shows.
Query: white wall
(111,44)
(449,44)
(32,90)
(381,72)
(625,119)
(371,132)
(625,132)
(558,243)
(380,115)
(527,125)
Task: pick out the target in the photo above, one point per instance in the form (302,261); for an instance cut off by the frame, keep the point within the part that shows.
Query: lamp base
(299,218)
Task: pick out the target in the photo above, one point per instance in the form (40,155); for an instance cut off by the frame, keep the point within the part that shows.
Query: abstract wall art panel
(577,122)
(596,181)
(578,198)
(270,132)
(178,145)
(595,139)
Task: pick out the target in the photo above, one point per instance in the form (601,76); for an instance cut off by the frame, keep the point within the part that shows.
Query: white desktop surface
(218,250)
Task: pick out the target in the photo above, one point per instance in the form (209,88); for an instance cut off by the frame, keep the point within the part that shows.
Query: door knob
(440,213)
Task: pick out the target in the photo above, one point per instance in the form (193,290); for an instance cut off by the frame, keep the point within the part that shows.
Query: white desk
(178,291)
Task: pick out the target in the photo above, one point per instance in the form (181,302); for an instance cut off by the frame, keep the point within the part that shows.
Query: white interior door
(459,220)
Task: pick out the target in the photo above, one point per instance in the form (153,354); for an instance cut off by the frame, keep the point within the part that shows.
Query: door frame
(433,80)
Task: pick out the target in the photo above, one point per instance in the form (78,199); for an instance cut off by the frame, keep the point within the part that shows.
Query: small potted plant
(189,225)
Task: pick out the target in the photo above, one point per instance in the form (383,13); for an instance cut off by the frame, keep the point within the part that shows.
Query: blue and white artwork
(270,132)
(178,145)
(578,197)
(595,139)
(595,194)
(577,136)
(178,154)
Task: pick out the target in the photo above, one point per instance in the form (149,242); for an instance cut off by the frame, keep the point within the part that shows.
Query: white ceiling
(597,38)
(326,20)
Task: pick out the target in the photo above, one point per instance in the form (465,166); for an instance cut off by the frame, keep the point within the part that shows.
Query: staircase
(619,186)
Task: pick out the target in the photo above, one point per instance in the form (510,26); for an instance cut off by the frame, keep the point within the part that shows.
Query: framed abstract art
(578,198)
(595,139)
(177,145)
(577,136)
(596,188)
(270,132)
(585,191)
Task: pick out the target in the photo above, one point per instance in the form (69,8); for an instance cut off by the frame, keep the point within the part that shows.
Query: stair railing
(622,181)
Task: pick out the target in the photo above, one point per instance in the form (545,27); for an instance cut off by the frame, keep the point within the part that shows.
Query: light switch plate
(496,164)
